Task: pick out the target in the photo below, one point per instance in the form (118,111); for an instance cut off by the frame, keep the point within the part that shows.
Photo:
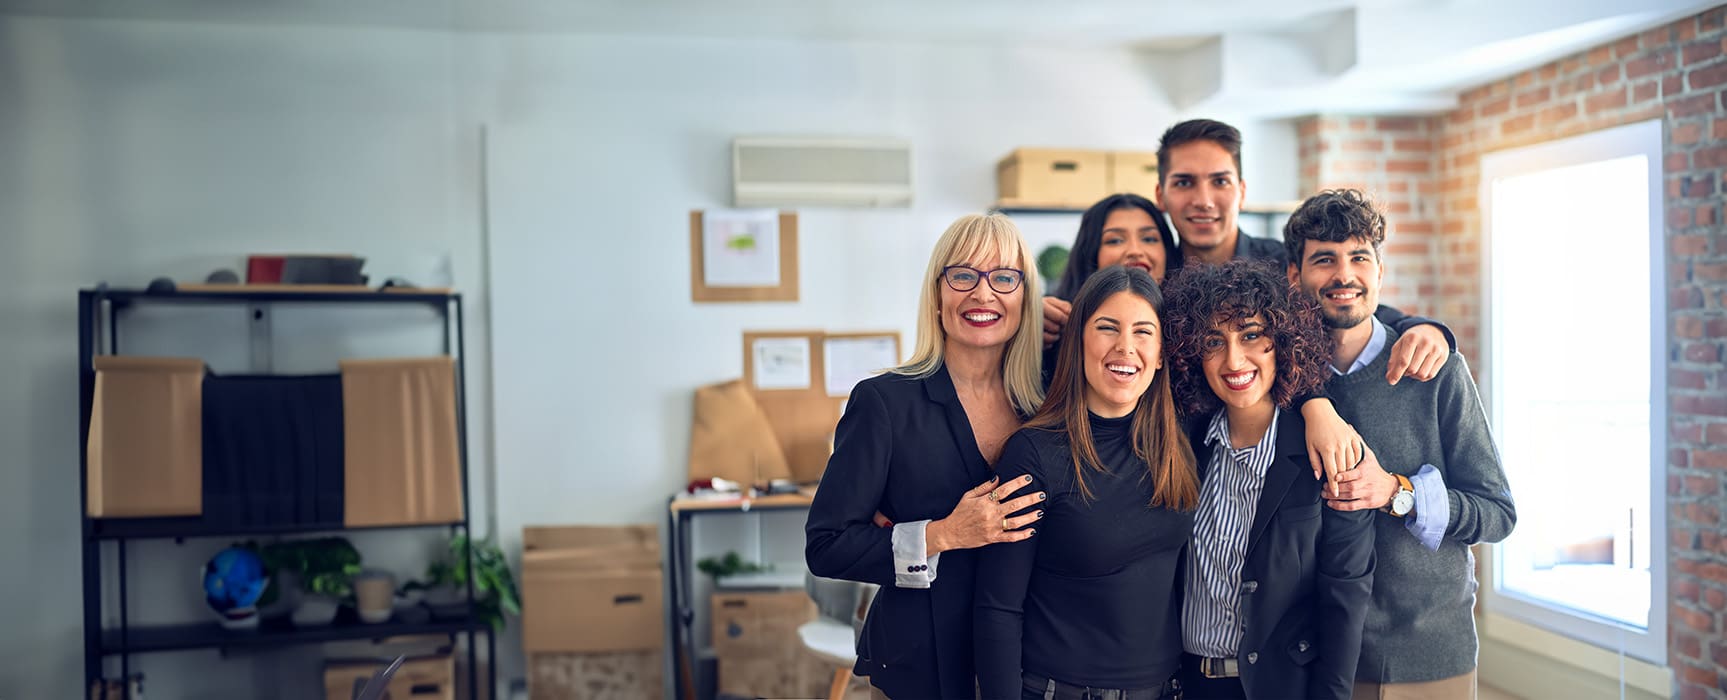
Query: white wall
(135,149)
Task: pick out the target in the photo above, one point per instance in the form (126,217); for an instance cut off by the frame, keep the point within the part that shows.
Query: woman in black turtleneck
(1093,602)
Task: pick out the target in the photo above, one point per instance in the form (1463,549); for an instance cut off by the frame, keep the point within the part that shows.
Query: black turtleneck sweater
(1093,599)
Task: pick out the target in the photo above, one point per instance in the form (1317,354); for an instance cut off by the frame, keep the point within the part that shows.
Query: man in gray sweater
(1431,469)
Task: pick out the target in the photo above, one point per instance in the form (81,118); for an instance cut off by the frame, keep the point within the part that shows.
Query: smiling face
(1123,351)
(1131,238)
(1344,277)
(1202,192)
(981,318)
(1239,362)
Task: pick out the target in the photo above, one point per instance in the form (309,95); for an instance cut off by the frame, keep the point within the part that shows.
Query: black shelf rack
(99,313)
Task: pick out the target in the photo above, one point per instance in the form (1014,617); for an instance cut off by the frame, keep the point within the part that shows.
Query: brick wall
(1391,159)
(1676,73)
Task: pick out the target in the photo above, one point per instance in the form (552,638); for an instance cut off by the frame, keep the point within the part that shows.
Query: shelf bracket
(260,337)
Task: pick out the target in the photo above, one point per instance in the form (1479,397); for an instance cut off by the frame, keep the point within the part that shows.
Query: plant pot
(287,587)
(315,611)
(447,602)
(239,619)
(374,596)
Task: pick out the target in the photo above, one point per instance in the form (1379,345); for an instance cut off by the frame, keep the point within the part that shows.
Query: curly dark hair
(1202,297)
(1334,216)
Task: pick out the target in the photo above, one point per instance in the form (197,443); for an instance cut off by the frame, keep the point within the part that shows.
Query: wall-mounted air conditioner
(816,171)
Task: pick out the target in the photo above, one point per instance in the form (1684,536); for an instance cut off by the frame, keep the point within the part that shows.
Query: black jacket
(904,447)
(1307,580)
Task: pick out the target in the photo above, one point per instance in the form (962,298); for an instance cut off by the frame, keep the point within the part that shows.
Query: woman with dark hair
(1276,585)
(1091,604)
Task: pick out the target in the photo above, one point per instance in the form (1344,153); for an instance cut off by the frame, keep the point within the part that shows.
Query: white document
(781,363)
(847,361)
(741,248)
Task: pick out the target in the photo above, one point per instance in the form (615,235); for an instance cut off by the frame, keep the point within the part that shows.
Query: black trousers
(1035,687)
(1195,686)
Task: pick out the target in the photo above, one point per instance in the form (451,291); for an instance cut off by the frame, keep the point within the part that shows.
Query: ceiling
(1266,58)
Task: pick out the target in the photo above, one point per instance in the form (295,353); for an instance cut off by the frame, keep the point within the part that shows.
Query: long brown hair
(1157,436)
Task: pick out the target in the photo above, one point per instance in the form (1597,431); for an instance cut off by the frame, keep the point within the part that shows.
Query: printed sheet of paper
(847,361)
(741,247)
(781,363)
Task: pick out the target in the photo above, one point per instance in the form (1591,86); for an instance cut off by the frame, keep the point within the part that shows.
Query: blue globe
(234,579)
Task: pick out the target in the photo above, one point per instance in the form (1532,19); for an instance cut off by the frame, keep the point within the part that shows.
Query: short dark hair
(1224,135)
(1202,296)
(1334,216)
(1082,257)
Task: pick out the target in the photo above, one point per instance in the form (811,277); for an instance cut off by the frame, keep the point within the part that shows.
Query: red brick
(1686,644)
(1400,123)
(1703,486)
(1706,215)
(1412,145)
(1557,113)
(1404,165)
(1690,245)
(1693,692)
(1672,84)
(1679,458)
(1581,83)
(1717,433)
(1699,51)
(1495,107)
(1710,157)
(1713,572)
(1600,55)
(1612,99)
(1625,47)
(1693,620)
(1523,80)
(1697,187)
(1710,21)
(1679,217)
(1700,405)
(1687,30)
(1687,567)
(1715,328)
(1688,326)
(1358,124)
(1707,77)
(1694,105)
(1685,379)
(1517,124)
(1697,674)
(1708,459)
(1548,72)
(1714,598)
(1649,64)
(1718,654)
(1532,97)
(1710,272)
(1702,353)
(1685,432)
(1645,91)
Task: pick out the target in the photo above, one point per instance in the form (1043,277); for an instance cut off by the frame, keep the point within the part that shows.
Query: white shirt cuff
(1432,508)
(911,569)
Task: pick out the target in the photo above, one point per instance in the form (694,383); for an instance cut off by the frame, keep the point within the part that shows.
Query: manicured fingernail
(1040,514)
(1043,495)
(1032,531)
(1027,478)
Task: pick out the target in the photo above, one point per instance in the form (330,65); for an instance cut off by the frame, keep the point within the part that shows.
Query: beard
(1343,319)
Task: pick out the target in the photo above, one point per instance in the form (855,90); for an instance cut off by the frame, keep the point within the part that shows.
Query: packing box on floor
(755,637)
(613,675)
(431,678)
(587,589)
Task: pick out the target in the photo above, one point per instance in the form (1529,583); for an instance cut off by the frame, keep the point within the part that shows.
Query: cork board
(803,418)
(786,290)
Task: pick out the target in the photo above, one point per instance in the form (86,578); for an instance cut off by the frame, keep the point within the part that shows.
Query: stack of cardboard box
(755,639)
(593,614)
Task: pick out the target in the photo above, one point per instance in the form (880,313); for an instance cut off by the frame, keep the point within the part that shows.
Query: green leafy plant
(1051,264)
(326,566)
(495,591)
(730,565)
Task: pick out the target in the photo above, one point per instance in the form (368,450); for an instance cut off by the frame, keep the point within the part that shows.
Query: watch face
(1402,503)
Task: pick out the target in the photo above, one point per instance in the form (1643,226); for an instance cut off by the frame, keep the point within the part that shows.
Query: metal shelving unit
(99,313)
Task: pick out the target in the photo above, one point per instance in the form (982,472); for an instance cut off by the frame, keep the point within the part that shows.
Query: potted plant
(445,583)
(324,568)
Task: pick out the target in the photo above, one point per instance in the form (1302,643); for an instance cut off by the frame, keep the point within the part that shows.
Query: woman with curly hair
(1276,584)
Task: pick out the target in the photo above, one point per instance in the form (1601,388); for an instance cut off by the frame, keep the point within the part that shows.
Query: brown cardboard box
(146,444)
(619,675)
(592,589)
(1053,177)
(431,678)
(759,623)
(790,674)
(403,463)
(1132,171)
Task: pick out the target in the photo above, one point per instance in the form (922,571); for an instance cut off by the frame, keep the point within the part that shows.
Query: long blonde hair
(984,237)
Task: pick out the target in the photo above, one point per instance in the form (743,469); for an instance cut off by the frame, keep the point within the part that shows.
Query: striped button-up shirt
(1211,622)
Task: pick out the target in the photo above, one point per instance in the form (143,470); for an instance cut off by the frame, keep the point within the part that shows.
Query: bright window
(1576,380)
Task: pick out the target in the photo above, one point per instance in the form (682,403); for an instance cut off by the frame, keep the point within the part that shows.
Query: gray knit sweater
(1421,626)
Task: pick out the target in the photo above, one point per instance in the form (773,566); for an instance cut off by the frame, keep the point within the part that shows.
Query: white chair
(830,637)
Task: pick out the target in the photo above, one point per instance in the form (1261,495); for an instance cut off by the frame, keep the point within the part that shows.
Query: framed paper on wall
(743,255)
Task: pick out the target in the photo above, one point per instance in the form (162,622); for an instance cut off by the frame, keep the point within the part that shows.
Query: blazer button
(1253,657)
(1302,646)
(1249,586)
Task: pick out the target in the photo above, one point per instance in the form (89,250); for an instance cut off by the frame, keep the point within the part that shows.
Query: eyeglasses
(964,278)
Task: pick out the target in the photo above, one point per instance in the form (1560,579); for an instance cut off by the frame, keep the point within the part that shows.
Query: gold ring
(993,498)
(1004,524)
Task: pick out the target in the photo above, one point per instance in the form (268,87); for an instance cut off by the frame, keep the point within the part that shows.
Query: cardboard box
(146,442)
(1053,177)
(592,589)
(403,463)
(794,674)
(1133,171)
(620,675)
(431,678)
(759,623)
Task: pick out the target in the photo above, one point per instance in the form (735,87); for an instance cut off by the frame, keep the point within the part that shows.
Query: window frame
(1641,138)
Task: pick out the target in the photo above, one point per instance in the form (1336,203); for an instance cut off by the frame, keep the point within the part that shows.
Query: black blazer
(905,447)
(1307,581)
